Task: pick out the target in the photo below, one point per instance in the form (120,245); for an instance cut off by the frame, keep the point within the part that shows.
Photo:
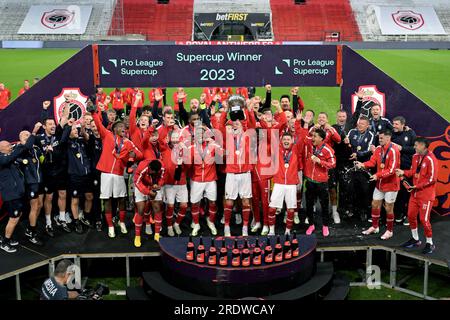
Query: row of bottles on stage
(243,257)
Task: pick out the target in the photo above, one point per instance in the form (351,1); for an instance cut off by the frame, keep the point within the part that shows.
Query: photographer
(54,288)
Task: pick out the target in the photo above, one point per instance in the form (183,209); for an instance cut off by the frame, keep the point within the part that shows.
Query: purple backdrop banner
(216,66)
(357,72)
(25,111)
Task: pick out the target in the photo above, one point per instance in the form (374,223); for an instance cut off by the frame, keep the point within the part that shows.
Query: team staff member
(12,188)
(94,153)
(386,159)
(404,138)
(80,178)
(30,165)
(423,192)
(116,151)
(318,158)
(337,182)
(360,141)
(53,143)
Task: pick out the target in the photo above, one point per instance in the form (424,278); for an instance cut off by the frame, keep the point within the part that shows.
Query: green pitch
(426,73)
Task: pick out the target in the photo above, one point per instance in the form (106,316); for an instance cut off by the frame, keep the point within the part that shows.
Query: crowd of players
(166,162)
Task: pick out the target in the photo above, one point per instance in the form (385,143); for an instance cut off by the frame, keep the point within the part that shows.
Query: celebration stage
(345,237)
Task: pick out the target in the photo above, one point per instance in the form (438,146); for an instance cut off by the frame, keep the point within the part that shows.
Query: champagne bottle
(278,254)
(268,253)
(212,255)
(246,255)
(236,255)
(257,254)
(287,251)
(295,248)
(190,250)
(223,257)
(201,252)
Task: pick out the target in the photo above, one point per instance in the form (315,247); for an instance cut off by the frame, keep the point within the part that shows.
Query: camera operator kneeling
(54,288)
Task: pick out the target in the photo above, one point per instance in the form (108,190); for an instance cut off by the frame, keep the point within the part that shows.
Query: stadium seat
(158,22)
(307,22)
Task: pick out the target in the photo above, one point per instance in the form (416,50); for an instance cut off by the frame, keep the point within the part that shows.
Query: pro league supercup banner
(212,66)
(208,66)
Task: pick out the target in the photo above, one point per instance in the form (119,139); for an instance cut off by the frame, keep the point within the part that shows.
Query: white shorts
(140,197)
(199,190)
(112,186)
(238,184)
(174,193)
(300,178)
(389,197)
(281,193)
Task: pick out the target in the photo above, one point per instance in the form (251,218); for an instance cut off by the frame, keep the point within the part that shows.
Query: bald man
(12,189)
(30,163)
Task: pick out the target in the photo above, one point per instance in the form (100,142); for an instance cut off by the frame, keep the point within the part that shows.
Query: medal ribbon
(118,147)
(316,152)
(156,151)
(287,156)
(420,163)
(384,155)
(237,142)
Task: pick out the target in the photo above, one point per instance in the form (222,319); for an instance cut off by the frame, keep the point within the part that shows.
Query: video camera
(94,294)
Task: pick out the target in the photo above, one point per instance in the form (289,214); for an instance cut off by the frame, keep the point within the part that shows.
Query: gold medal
(382,166)
(34,160)
(358,148)
(78,155)
(25,161)
(286,165)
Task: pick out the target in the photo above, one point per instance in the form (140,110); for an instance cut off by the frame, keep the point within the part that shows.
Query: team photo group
(227,162)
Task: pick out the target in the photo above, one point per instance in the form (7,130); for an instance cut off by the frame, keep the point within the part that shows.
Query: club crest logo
(371,96)
(57,18)
(408,19)
(73,99)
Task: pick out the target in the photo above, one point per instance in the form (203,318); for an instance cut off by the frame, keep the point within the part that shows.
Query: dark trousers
(401,203)
(362,196)
(343,187)
(96,202)
(313,191)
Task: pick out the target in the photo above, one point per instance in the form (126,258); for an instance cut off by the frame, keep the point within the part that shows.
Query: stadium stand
(253,6)
(159,22)
(313,20)
(370,30)
(243,6)
(12,14)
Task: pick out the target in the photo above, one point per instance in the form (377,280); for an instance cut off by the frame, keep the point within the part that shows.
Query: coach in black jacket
(31,167)
(404,138)
(80,177)
(12,189)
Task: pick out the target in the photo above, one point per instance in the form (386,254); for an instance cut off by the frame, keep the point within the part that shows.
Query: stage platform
(93,244)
